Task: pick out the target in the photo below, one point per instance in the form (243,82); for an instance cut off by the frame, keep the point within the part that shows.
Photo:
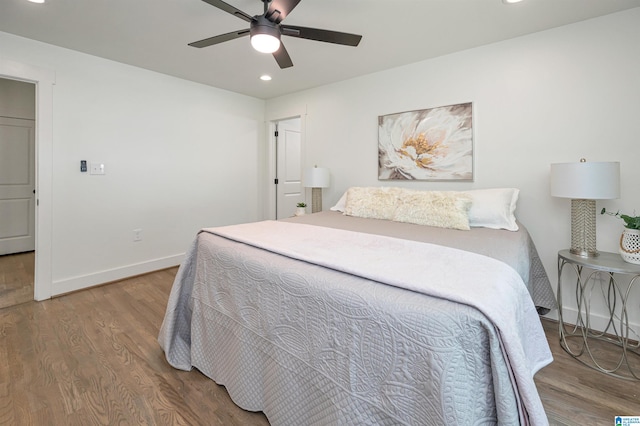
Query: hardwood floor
(16,278)
(92,357)
(574,394)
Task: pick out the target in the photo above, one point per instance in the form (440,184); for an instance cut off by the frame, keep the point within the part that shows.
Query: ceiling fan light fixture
(265,43)
(265,36)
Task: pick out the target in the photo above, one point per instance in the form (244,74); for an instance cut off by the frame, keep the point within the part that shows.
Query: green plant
(301,205)
(631,222)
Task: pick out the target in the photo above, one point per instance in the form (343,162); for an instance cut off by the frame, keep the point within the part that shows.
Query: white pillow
(493,208)
(340,205)
(444,209)
(371,202)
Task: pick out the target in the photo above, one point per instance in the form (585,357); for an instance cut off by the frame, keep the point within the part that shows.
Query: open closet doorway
(288,168)
(17,191)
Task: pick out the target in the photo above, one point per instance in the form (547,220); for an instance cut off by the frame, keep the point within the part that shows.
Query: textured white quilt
(491,286)
(484,366)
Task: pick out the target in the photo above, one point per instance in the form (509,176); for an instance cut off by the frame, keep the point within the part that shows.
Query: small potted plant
(301,209)
(630,238)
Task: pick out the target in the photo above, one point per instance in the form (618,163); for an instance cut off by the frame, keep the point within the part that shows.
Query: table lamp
(584,182)
(316,178)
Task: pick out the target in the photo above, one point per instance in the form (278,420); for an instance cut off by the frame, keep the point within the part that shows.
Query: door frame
(44,80)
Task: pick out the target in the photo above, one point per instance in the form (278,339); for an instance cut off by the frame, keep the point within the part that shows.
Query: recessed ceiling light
(265,77)
(511,1)
(36,1)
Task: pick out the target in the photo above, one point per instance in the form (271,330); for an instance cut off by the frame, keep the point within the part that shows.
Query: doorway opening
(43,79)
(17,191)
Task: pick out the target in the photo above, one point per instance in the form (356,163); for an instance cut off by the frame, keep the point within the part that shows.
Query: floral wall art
(430,144)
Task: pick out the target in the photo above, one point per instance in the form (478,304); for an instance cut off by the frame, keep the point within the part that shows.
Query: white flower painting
(429,144)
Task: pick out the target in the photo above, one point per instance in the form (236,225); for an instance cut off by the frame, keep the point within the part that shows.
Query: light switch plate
(97,168)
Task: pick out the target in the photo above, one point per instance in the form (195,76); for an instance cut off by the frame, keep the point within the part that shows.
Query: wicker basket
(630,245)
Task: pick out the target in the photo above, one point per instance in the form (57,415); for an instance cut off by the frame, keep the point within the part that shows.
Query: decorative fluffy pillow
(444,209)
(494,208)
(374,203)
(490,208)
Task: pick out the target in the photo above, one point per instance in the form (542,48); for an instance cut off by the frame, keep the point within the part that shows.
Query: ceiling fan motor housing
(261,25)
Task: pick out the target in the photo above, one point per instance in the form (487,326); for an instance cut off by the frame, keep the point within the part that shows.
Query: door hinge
(276,134)
(275,181)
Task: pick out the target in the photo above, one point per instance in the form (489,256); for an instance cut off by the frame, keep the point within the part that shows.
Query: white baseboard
(597,322)
(69,285)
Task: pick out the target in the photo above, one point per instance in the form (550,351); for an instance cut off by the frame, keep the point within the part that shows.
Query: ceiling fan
(266,29)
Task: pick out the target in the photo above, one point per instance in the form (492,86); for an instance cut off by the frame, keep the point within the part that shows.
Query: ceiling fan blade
(326,36)
(220,38)
(229,9)
(282,57)
(279,9)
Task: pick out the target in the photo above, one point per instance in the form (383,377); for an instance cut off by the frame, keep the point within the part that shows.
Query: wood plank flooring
(16,278)
(92,358)
(574,394)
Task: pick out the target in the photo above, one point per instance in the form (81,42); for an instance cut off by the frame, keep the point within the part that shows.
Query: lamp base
(316,200)
(583,228)
(583,253)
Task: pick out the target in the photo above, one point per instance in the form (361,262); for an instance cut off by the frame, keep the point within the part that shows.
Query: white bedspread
(489,285)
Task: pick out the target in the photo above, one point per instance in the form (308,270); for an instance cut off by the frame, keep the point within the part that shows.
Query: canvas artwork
(430,144)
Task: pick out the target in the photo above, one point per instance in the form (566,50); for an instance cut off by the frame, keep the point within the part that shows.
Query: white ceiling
(153,34)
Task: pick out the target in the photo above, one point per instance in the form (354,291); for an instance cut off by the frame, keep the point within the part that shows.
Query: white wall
(179,156)
(554,96)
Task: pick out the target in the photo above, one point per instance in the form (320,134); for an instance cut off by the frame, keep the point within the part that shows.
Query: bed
(279,314)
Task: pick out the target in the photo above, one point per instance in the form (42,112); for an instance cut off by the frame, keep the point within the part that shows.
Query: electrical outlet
(137,235)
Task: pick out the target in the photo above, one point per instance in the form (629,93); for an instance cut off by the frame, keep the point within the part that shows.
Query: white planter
(630,245)
(300,211)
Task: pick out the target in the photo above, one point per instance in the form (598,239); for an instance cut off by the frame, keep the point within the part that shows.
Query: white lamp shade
(316,177)
(586,180)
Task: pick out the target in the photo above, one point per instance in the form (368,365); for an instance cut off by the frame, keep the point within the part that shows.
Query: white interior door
(17,185)
(289,190)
